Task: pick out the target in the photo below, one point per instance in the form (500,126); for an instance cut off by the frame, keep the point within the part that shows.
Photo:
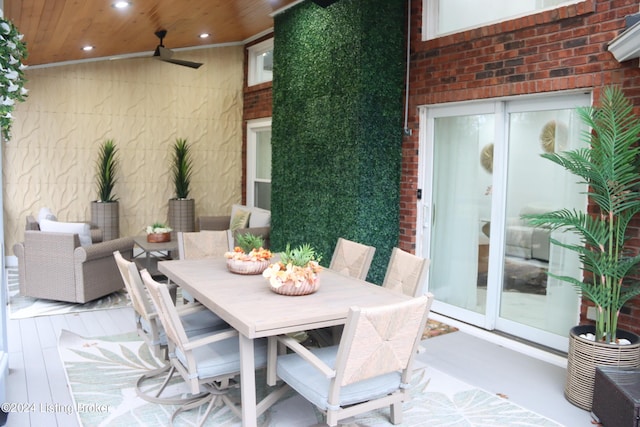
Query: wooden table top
(247,303)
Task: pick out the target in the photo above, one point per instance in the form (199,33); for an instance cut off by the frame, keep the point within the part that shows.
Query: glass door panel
(535,185)
(461,209)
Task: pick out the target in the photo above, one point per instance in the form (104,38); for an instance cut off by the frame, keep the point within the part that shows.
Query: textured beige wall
(143,105)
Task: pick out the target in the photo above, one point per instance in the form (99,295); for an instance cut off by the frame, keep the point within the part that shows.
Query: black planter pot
(585,355)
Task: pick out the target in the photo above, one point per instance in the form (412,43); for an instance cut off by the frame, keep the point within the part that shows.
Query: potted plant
(249,255)
(105,210)
(609,167)
(181,207)
(296,273)
(158,232)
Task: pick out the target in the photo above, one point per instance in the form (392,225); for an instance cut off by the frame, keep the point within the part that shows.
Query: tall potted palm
(105,210)
(609,168)
(181,208)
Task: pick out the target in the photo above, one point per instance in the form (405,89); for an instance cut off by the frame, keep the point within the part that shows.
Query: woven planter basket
(246,267)
(583,357)
(290,288)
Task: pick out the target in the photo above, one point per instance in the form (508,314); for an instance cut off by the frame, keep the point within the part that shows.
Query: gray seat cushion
(314,386)
(223,357)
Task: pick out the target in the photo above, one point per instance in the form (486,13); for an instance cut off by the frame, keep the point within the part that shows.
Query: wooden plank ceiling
(56,30)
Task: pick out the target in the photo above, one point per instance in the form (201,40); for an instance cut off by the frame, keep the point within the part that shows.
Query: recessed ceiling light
(121,4)
(204,35)
(87,48)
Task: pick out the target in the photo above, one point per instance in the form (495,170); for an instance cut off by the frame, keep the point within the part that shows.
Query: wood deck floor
(36,375)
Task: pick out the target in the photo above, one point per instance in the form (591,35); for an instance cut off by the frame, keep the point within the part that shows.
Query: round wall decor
(486,157)
(553,136)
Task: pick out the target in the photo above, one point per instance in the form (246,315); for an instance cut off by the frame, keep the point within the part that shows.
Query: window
(259,163)
(449,16)
(260,63)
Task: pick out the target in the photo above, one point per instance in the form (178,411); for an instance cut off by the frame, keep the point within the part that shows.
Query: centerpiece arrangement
(158,233)
(249,256)
(296,273)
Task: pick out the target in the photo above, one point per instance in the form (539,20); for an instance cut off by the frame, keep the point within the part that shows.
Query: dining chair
(406,273)
(204,244)
(352,258)
(210,360)
(370,368)
(195,318)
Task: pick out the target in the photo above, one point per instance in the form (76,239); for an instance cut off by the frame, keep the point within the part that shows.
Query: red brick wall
(557,50)
(256,105)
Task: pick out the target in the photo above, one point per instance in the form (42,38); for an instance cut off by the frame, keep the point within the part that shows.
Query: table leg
(247,382)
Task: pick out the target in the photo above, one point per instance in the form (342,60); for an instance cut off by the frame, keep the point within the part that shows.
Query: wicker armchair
(259,223)
(54,266)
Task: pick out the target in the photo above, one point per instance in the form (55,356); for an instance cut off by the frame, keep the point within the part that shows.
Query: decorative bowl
(239,266)
(158,237)
(289,287)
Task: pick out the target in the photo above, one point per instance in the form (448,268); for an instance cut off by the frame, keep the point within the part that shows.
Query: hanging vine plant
(12,52)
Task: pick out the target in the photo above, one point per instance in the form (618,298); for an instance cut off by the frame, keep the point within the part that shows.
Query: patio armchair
(242,219)
(55,266)
(371,367)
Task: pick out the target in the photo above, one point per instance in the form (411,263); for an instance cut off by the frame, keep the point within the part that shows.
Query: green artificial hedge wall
(337,126)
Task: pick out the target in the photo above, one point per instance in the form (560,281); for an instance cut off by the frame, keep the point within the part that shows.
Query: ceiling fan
(164,54)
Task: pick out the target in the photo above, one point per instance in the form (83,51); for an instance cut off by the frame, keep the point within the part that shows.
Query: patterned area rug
(435,328)
(101,373)
(21,307)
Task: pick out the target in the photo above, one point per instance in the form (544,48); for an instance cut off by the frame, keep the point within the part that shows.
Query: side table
(153,252)
(616,396)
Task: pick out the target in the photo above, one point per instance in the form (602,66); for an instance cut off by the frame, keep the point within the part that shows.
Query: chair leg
(395,410)
(213,394)
(156,398)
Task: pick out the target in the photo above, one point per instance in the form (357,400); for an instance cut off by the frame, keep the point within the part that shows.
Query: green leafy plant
(181,168)
(106,168)
(12,52)
(158,227)
(608,166)
(299,256)
(248,242)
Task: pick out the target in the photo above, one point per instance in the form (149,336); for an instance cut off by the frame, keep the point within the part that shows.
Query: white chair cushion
(83,230)
(314,386)
(223,357)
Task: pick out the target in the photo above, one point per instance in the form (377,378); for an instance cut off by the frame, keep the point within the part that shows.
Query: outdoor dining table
(247,303)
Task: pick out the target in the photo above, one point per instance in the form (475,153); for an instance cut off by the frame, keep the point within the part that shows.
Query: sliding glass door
(481,171)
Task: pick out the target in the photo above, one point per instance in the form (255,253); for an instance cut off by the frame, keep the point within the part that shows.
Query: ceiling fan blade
(184,63)
(164,54)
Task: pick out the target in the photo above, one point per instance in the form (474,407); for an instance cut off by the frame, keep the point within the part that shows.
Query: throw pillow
(260,218)
(239,220)
(83,230)
(46,213)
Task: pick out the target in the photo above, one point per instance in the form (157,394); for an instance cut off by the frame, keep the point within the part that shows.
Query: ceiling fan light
(122,4)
